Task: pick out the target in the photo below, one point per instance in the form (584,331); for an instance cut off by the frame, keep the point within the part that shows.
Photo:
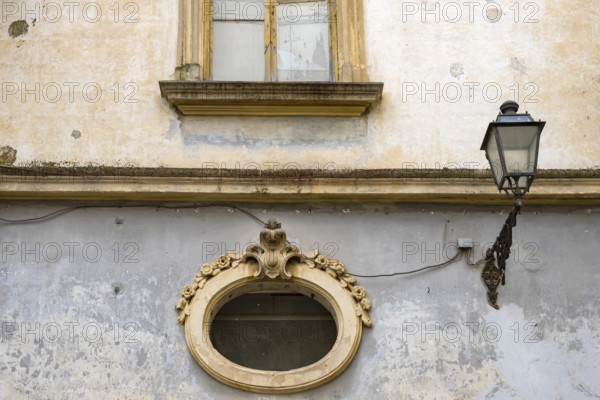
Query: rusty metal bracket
(494,271)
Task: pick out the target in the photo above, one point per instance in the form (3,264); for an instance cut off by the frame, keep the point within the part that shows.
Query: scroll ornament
(273,255)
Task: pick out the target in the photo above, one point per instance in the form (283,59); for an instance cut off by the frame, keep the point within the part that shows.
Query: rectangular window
(283,40)
(271,58)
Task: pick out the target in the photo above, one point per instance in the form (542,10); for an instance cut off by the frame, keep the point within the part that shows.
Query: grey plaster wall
(85,325)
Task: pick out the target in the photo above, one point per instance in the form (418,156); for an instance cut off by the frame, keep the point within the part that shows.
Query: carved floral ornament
(274,265)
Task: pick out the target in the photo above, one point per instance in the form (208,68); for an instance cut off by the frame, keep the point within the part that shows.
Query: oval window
(273,331)
(273,320)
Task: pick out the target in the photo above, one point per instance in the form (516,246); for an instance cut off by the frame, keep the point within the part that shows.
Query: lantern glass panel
(514,118)
(494,158)
(520,146)
(522,183)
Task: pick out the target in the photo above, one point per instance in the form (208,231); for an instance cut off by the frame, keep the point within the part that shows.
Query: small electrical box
(465,243)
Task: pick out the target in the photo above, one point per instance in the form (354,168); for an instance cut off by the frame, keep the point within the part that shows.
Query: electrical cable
(69,209)
(446,263)
(245,212)
(42,218)
(468,258)
(249,214)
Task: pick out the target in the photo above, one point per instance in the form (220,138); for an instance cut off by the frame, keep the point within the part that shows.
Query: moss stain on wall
(18,28)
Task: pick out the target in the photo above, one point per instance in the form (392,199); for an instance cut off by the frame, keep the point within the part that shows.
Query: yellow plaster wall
(554,60)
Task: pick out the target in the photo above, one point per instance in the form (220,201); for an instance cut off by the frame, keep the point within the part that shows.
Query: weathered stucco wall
(88,297)
(434,334)
(441,79)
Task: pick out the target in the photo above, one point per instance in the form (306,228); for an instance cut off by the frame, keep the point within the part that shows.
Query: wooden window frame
(345,40)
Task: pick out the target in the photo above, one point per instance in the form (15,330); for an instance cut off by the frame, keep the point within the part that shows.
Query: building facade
(140,142)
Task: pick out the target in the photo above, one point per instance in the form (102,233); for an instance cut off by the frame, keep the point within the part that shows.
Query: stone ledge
(324,99)
(49,171)
(474,190)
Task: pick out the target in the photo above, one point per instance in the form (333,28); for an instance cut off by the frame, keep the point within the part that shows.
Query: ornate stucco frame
(274,266)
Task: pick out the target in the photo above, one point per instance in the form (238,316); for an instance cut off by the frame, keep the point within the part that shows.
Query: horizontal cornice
(568,187)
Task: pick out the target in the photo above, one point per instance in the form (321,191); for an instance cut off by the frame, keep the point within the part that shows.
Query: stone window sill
(324,99)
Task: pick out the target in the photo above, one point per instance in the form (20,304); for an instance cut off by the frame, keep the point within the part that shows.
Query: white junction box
(465,243)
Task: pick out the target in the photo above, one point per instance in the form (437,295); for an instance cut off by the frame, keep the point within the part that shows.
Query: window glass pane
(238,51)
(238,10)
(302,42)
(238,40)
(273,332)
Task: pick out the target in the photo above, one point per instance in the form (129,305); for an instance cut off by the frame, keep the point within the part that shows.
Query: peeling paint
(518,66)
(457,70)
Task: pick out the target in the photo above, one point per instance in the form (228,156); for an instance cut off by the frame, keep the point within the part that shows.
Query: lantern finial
(509,107)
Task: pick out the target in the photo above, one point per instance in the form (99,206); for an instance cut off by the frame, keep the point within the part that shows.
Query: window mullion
(207,37)
(271,40)
(332,18)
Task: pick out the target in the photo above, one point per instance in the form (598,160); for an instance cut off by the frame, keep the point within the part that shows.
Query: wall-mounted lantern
(511,146)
